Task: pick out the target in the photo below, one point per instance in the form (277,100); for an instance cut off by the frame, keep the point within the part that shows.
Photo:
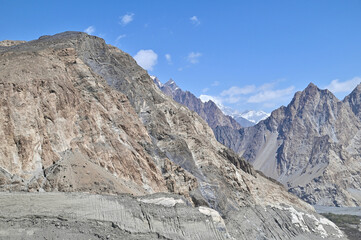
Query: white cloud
(127,18)
(204,90)
(266,95)
(236,91)
(193,57)
(347,86)
(120,37)
(147,59)
(195,20)
(206,98)
(168,57)
(270,95)
(90,30)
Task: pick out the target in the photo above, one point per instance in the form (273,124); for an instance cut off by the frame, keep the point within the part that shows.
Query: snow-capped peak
(156,81)
(254,116)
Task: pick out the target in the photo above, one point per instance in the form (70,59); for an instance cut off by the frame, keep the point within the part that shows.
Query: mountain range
(80,116)
(312,146)
(308,146)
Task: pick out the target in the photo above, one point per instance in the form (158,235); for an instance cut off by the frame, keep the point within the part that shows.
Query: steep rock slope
(58,113)
(311,146)
(65,129)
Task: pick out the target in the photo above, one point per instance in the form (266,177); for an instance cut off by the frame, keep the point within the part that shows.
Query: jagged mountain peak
(313,98)
(156,81)
(312,90)
(311,86)
(354,100)
(355,91)
(171,84)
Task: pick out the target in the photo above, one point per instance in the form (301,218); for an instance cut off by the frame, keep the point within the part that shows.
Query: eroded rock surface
(159,216)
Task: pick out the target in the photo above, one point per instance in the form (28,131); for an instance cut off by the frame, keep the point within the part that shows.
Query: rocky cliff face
(80,115)
(311,146)
(63,128)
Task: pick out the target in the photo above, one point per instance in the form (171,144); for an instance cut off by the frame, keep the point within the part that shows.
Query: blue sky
(244,54)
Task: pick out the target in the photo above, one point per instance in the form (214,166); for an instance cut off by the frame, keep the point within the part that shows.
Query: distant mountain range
(248,117)
(312,146)
(245,119)
(209,111)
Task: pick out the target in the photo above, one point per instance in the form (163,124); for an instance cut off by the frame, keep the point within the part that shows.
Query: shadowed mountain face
(80,115)
(311,146)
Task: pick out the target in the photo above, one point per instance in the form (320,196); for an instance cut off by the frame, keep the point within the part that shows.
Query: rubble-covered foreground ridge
(159,216)
(312,146)
(78,115)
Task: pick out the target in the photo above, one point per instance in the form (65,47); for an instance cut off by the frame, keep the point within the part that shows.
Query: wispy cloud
(147,59)
(168,57)
(90,30)
(270,95)
(204,90)
(194,20)
(236,91)
(126,19)
(121,36)
(215,84)
(193,57)
(267,95)
(347,86)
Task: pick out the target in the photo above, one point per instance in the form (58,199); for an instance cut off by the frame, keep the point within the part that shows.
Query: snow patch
(212,213)
(164,201)
(297,218)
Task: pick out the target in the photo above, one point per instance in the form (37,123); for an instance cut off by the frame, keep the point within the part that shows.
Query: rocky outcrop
(87,118)
(311,146)
(9,43)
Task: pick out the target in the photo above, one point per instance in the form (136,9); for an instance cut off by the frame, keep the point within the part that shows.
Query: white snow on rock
(164,201)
